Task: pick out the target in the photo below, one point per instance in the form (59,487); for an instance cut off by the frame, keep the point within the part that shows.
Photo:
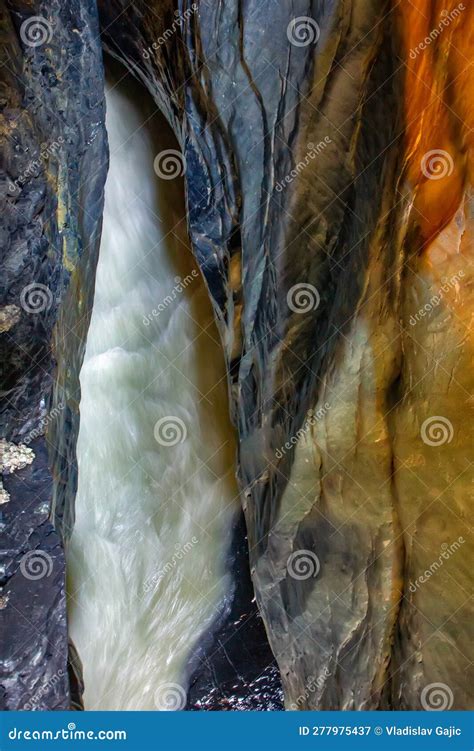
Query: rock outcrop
(54,167)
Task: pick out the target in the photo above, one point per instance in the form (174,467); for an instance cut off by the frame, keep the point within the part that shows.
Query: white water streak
(137,608)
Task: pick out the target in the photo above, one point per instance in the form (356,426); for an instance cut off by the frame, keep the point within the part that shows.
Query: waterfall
(157,496)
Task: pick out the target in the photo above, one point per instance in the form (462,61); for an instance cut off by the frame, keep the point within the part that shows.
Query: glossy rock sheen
(295,167)
(358,487)
(55,161)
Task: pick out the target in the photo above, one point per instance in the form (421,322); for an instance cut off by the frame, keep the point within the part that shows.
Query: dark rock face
(234,668)
(54,166)
(306,218)
(34,608)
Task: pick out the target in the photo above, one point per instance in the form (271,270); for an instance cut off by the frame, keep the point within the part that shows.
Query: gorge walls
(327,151)
(55,162)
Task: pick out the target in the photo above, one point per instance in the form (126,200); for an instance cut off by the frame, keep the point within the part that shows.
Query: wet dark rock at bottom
(234,665)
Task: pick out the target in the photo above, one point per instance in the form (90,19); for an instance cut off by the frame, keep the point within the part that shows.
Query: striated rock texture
(328,170)
(314,210)
(54,160)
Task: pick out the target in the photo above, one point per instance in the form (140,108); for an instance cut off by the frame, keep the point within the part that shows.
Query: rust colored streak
(438,43)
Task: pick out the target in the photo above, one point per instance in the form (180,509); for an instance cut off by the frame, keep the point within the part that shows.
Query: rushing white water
(146,560)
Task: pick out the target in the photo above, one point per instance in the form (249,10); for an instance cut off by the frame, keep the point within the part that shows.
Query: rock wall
(309,216)
(54,165)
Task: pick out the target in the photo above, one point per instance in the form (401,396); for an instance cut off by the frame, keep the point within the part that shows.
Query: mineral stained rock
(54,161)
(312,134)
(328,159)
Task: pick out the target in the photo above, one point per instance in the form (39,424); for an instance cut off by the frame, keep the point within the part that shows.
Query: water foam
(147,558)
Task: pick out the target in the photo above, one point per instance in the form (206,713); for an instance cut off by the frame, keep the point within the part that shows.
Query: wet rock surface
(34,628)
(300,186)
(314,272)
(54,165)
(234,668)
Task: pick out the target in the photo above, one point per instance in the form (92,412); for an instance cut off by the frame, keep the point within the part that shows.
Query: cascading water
(156,500)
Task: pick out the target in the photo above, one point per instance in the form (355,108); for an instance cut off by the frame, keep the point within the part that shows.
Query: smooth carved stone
(288,261)
(303,222)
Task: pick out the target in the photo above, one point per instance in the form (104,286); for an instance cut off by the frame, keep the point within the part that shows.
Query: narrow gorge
(237,346)
(157,496)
